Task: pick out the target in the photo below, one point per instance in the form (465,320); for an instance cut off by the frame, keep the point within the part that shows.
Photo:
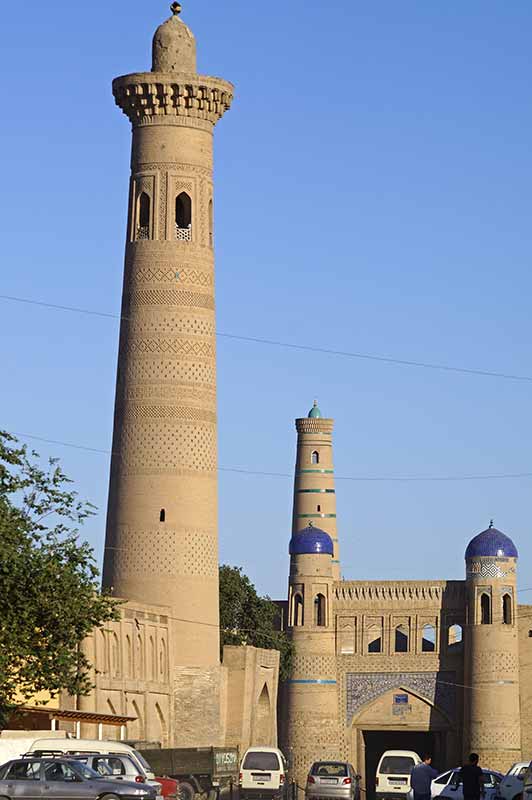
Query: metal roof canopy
(77,716)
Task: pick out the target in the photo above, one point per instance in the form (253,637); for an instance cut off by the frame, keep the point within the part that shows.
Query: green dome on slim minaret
(314,412)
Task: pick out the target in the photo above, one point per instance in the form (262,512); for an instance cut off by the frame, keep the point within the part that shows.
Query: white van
(262,773)
(72,746)
(13,744)
(393,773)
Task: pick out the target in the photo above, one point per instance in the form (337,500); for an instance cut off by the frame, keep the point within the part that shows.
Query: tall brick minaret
(162,539)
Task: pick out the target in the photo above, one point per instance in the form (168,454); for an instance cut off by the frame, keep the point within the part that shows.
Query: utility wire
(293,346)
(356,478)
(238,631)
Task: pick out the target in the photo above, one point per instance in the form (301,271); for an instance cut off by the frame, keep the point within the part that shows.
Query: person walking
(472,779)
(421,778)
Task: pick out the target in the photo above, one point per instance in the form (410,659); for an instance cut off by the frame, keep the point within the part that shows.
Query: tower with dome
(492,649)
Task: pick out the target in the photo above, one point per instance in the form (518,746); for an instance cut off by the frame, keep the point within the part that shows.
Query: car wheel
(185,791)
(109,797)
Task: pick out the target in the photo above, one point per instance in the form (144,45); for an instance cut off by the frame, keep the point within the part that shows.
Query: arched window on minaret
(315,457)
(183,217)
(211,224)
(507,609)
(162,515)
(485,609)
(319,611)
(297,610)
(143,216)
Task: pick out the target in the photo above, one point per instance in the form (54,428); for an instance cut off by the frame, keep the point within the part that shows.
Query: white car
(511,785)
(439,783)
(393,774)
(453,790)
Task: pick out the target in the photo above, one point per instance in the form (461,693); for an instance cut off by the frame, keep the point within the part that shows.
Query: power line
(356,478)
(264,634)
(294,346)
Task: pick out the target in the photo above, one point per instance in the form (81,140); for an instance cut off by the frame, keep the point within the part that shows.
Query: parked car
(116,767)
(69,746)
(262,774)
(527,783)
(336,780)
(393,773)
(63,779)
(439,783)
(511,786)
(454,790)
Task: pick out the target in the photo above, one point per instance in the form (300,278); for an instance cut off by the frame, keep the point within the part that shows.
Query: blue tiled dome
(311,540)
(491,543)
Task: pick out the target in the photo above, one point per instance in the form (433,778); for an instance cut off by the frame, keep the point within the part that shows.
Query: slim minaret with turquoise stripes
(314,490)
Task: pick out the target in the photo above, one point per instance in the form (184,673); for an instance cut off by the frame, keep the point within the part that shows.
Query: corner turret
(492,718)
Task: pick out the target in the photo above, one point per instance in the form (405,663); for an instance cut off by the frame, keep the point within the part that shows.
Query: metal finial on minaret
(176,9)
(491,524)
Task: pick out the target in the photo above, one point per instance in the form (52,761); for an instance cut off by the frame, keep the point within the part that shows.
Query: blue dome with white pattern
(311,541)
(491,543)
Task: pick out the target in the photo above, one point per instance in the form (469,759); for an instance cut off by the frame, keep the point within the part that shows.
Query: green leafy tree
(247,618)
(49,589)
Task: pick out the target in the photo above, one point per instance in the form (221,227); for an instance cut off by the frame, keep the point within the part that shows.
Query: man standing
(421,778)
(472,778)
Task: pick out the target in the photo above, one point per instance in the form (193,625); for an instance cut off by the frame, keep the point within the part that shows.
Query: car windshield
(396,765)
(143,761)
(261,761)
(329,768)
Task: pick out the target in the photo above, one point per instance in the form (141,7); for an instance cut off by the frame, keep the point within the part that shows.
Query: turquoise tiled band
(316,491)
(326,471)
(317,680)
(300,516)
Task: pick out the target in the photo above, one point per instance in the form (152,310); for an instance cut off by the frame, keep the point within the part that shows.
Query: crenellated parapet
(392,592)
(172,98)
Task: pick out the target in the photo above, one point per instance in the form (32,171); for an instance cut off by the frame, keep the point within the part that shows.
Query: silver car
(116,767)
(63,779)
(332,780)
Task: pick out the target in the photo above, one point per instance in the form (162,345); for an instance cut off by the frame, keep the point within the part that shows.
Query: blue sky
(372,195)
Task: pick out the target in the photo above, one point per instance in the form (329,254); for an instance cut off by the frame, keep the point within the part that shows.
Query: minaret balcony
(143,232)
(183,234)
